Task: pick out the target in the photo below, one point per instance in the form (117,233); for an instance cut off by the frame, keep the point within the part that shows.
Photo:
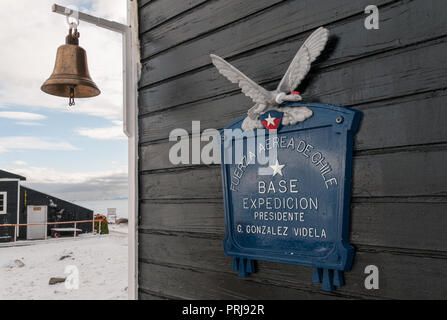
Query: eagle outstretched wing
(250,88)
(307,54)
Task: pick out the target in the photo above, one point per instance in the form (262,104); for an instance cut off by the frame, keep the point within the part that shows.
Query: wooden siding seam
(430,93)
(189,234)
(145,4)
(360,247)
(141,6)
(211,31)
(219,96)
(408,252)
(409,148)
(290,38)
(259,280)
(161,23)
(318,68)
(181,201)
(400,199)
(428,147)
(355,200)
(379,104)
(180,169)
(370,104)
(274,42)
(415,199)
(158,294)
(175,266)
(196,200)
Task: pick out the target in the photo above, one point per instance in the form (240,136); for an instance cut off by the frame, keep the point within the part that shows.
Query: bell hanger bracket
(130,69)
(81,16)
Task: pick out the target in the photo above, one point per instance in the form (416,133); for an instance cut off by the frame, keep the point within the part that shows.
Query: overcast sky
(78,153)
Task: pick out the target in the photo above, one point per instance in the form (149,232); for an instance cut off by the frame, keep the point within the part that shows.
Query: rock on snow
(101,261)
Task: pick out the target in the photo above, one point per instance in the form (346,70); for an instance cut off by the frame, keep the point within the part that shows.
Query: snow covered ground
(101,261)
(120,228)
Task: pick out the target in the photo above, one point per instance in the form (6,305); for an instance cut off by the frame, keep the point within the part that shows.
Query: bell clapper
(71,102)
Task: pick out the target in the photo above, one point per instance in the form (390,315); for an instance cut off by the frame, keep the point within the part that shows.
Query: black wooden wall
(396,75)
(7,233)
(71,212)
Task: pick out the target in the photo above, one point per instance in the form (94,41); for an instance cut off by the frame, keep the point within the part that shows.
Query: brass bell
(71,77)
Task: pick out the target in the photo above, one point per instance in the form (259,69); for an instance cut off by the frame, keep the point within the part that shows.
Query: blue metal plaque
(296,209)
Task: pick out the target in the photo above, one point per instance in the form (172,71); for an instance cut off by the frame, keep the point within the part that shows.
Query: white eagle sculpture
(270,100)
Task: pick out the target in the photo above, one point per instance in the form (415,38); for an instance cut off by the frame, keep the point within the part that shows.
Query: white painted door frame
(30,214)
(131,65)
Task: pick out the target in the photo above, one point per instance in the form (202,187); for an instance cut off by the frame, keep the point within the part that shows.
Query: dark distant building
(18,203)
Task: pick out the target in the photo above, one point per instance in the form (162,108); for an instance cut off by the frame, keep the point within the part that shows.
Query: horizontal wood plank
(398,174)
(211,16)
(192,284)
(142,3)
(413,120)
(153,13)
(350,40)
(402,276)
(183,216)
(399,225)
(142,295)
(201,183)
(156,156)
(393,225)
(374,78)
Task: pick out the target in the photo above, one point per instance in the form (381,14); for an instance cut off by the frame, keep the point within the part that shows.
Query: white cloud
(109,133)
(77,185)
(52,176)
(29,124)
(22,116)
(20,163)
(33,34)
(33,143)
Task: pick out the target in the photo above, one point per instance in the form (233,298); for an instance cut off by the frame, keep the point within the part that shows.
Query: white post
(17,228)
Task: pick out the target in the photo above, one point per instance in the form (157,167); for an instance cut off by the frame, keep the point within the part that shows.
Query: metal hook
(72,14)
